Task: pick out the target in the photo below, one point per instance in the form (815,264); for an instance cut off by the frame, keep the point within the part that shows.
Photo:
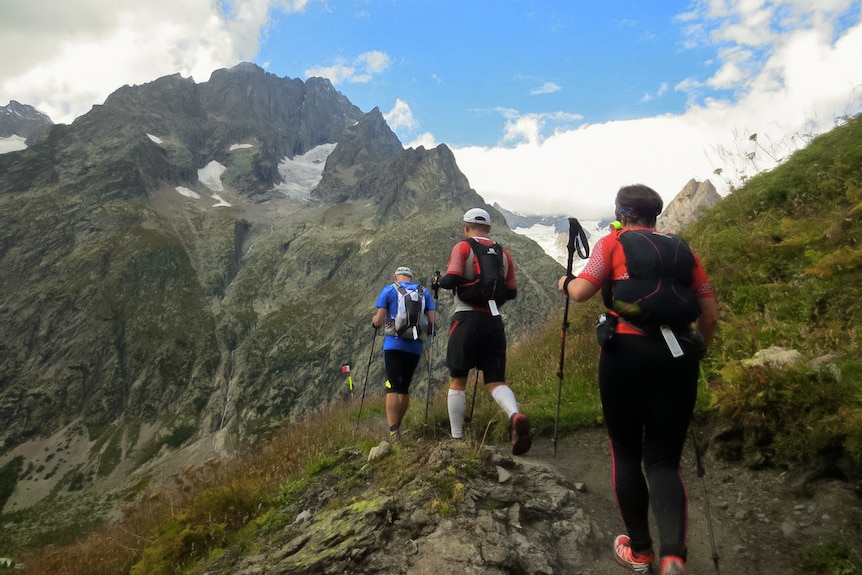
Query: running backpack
(658,290)
(410,320)
(490,283)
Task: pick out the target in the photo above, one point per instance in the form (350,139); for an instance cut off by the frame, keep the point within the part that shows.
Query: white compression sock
(505,398)
(457,403)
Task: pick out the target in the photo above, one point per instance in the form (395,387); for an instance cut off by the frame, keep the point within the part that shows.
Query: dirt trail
(760,519)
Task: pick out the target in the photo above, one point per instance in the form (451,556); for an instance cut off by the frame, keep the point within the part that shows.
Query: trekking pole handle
(577,242)
(570,248)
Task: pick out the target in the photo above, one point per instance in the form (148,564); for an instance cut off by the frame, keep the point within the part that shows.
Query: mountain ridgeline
(161,289)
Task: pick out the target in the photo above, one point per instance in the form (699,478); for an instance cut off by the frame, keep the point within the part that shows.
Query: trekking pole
(435,287)
(367,369)
(427,392)
(469,419)
(701,472)
(578,238)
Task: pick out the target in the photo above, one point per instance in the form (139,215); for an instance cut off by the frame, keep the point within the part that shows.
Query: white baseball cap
(404,271)
(477,216)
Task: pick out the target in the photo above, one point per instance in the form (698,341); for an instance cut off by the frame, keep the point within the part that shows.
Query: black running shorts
(399,367)
(477,339)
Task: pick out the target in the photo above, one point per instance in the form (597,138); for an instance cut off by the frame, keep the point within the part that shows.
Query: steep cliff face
(161,290)
(687,206)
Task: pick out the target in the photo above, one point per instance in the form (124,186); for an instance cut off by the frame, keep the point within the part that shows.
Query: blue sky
(549,107)
(461,66)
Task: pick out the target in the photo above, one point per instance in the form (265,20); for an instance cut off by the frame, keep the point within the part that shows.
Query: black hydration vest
(490,283)
(658,290)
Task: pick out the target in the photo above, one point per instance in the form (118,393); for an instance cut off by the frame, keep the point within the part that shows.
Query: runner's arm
(382,304)
(432,327)
(455,269)
(708,318)
(451,281)
(379,318)
(707,321)
(511,286)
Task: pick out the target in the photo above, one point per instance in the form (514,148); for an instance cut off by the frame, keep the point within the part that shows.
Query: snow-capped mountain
(20,126)
(552,233)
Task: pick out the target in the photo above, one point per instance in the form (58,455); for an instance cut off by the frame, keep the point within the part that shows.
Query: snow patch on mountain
(210,176)
(301,174)
(183,191)
(546,236)
(12,144)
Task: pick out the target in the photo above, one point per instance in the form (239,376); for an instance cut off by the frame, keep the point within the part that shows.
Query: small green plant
(829,559)
(320,465)
(795,414)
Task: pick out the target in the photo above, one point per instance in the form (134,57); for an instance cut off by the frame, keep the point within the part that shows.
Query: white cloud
(733,73)
(425,140)
(526,128)
(64,63)
(336,73)
(360,71)
(546,88)
(400,116)
(532,128)
(784,94)
(374,61)
(577,172)
(662,90)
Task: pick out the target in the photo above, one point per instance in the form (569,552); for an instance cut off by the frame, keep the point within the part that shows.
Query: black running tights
(648,398)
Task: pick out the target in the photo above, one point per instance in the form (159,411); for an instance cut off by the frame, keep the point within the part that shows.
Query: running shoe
(519,433)
(672,565)
(636,563)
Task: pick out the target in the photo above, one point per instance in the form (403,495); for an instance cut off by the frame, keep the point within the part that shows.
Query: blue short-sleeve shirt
(388,299)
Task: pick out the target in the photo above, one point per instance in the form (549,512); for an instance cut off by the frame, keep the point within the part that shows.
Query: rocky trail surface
(760,519)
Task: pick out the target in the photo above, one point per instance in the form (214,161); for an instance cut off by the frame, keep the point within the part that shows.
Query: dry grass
(226,493)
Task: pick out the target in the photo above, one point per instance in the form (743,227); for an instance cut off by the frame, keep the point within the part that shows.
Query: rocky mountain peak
(688,205)
(17,119)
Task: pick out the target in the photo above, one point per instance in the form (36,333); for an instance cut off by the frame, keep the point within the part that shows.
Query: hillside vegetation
(784,255)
